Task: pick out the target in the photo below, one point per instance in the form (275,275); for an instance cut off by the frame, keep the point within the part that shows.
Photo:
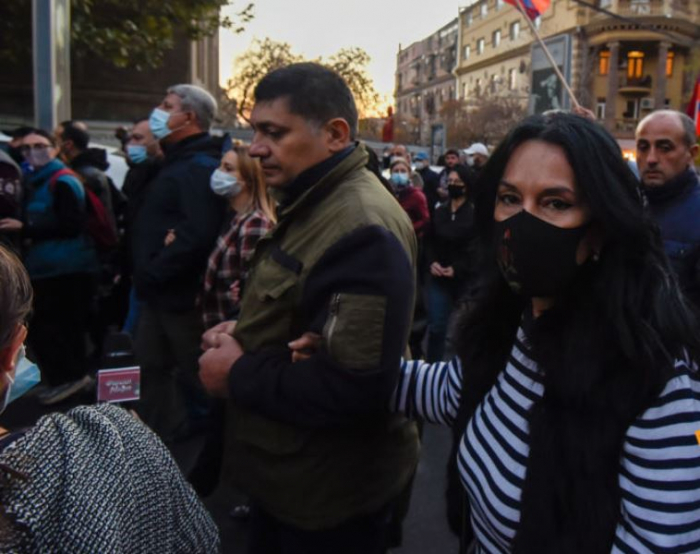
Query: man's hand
(210,339)
(436,270)
(448,272)
(584,112)
(215,365)
(10,224)
(303,347)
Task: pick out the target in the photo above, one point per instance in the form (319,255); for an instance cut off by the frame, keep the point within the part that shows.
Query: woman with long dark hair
(450,257)
(575,390)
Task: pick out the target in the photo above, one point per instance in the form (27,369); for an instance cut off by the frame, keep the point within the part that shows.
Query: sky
(322,27)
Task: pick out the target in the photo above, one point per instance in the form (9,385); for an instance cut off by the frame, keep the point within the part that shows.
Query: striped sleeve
(431,391)
(660,473)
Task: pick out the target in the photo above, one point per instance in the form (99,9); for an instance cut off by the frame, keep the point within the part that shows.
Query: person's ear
(338,134)
(693,153)
(8,354)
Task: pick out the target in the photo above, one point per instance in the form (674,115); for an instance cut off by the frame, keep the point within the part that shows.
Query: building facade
(424,82)
(622,61)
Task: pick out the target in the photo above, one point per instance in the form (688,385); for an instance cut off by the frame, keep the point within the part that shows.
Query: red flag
(533,8)
(693,109)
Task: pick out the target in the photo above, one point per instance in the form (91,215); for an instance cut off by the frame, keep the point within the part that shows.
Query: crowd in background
(201,230)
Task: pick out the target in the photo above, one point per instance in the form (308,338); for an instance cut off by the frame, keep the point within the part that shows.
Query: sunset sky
(322,27)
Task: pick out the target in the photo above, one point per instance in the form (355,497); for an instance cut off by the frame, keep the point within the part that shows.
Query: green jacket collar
(312,195)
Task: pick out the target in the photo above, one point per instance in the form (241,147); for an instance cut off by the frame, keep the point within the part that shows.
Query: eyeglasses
(38,147)
(458,183)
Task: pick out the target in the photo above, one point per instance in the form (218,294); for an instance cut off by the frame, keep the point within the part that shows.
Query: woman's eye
(558,204)
(508,199)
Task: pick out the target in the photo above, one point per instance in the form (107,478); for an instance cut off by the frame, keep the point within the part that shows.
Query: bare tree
(266,55)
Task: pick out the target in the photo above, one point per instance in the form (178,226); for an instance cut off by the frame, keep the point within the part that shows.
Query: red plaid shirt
(230,262)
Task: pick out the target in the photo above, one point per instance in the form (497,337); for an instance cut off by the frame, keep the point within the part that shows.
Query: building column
(660,85)
(613,84)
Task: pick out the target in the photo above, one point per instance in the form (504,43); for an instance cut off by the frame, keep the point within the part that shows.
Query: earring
(596,256)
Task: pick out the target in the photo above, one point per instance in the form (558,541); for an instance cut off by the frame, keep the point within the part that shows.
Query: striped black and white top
(659,473)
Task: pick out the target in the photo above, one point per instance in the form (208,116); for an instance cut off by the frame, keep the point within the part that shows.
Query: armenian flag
(533,8)
(693,109)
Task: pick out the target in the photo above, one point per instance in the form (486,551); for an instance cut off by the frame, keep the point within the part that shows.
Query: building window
(464,90)
(635,64)
(604,3)
(604,62)
(538,22)
(468,20)
(669,64)
(496,38)
(477,88)
(480,46)
(467,51)
(484,9)
(600,109)
(512,79)
(499,4)
(494,84)
(514,30)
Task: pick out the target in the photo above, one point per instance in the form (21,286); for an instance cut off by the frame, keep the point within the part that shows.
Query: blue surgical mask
(137,153)
(224,184)
(158,122)
(27,375)
(400,179)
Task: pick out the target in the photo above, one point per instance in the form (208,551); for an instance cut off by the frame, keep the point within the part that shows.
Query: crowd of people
(272,291)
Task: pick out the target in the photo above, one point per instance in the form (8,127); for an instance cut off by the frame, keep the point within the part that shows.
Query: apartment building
(623,60)
(425,81)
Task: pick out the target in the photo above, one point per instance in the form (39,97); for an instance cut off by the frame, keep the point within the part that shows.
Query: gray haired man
(181,206)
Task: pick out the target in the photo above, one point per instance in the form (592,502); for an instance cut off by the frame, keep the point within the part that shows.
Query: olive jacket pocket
(354,330)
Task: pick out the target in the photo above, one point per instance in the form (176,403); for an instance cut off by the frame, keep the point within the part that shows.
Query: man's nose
(652,158)
(257,148)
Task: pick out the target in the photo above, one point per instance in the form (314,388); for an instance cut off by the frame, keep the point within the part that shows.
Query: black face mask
(455,191)
(536,258)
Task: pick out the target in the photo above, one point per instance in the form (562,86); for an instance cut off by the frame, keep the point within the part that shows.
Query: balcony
(625,128)
(631,86)
(680,9)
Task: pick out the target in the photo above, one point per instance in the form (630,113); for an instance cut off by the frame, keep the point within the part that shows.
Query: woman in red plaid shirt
(240,180)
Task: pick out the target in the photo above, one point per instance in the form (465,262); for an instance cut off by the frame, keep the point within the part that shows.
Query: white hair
(199,101)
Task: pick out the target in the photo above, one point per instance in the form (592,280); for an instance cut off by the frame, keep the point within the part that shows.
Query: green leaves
(126,33)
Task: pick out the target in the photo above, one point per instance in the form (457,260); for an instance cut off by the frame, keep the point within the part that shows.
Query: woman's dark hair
(42,133)
(606,349)
(467,177)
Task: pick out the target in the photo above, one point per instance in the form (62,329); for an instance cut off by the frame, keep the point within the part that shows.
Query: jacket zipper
(334,309)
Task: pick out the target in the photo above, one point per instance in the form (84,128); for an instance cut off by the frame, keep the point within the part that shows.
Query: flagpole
(547,53)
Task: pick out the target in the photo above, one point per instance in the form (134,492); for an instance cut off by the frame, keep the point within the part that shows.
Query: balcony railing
(625,128)
(650,8)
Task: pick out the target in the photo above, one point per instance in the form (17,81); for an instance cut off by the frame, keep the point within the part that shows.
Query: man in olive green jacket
(312,442)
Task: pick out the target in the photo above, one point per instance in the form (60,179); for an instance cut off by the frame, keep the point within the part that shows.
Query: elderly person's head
(186,110)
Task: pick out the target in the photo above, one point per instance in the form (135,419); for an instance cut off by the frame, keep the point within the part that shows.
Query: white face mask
(224,184)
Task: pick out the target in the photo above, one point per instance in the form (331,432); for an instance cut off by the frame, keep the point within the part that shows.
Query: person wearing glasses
(62,263)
